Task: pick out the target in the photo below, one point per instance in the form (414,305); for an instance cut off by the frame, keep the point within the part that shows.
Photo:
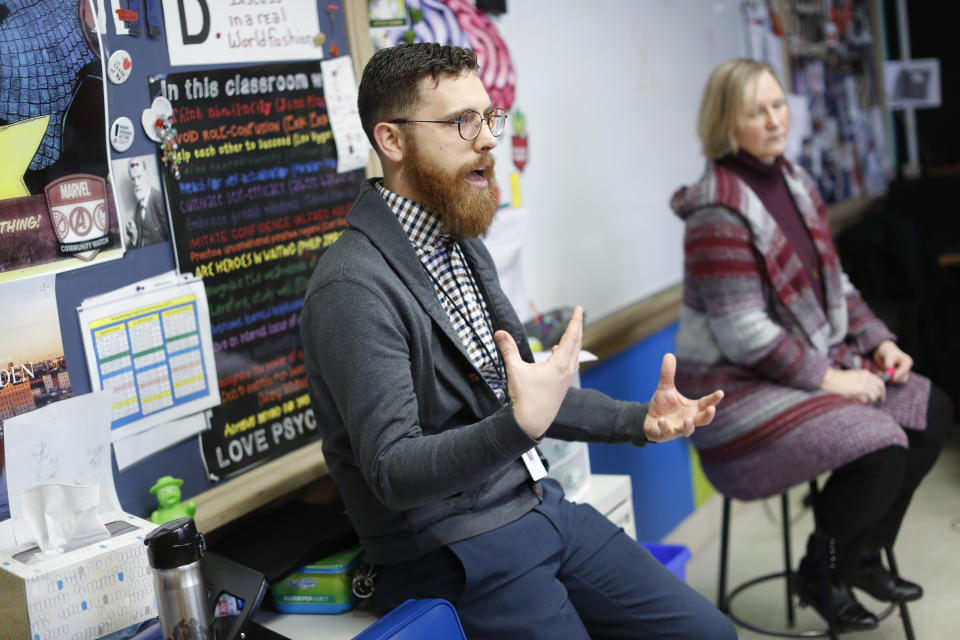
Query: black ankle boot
(818,583)
(873,578)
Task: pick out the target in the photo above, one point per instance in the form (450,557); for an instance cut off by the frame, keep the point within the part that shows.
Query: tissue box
(321,587)
(84,593)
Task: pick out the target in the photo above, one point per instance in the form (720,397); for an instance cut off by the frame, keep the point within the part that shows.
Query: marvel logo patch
(78,212)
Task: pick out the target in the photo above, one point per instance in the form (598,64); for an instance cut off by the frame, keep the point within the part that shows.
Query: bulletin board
(832,61)
(257,198)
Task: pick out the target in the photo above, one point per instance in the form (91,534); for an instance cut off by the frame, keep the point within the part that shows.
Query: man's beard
(464,212)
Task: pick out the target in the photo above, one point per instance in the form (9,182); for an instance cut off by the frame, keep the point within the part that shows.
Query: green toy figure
(167,491)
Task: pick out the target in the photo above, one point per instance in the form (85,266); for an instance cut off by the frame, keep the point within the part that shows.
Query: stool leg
(724,539)
(814,496)
(787,569)
(904,613)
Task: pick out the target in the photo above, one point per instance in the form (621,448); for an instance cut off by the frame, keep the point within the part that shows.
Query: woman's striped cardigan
(752,326)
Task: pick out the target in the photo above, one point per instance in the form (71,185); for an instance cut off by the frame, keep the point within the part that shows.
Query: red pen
(888,374)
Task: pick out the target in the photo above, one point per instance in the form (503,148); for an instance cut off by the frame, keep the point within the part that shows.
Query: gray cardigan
(417,442)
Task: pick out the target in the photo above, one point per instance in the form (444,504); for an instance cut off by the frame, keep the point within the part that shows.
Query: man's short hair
(134,162)
(722,104)
(390,85)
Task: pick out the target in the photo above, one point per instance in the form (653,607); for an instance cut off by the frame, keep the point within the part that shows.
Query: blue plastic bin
(416,620)
(673,556)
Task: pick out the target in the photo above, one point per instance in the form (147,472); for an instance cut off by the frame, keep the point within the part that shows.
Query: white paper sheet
(340,92)
(151,344)
(756,41)
(241,31)
(136,447)
(119,26)
(65,443)
(801,126)
(773,55)
(504,239)
(7,541)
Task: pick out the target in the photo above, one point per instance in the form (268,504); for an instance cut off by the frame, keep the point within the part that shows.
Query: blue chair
(433,618)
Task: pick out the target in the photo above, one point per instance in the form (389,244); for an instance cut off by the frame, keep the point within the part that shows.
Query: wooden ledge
(258,487)
(625,327)
(849,212)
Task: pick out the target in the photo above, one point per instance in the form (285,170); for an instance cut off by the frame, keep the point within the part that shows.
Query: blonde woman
(814,382)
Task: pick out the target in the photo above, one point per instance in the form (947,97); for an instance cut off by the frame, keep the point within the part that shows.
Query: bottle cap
(174,544)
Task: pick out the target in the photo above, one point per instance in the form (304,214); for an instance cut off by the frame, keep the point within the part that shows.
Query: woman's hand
(671,414)
(888,355)
(859,384)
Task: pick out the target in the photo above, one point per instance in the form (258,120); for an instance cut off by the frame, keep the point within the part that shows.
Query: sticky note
(516,201)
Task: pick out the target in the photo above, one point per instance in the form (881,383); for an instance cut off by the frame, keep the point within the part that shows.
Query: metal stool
(724,599)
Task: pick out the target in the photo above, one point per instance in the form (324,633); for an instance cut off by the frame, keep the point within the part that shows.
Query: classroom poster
(149,344)
(452,22)
(242,31)
(258,198)
(387,13)
(33,371)
(56,206)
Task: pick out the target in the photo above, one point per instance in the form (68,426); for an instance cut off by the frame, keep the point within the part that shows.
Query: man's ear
(389,140)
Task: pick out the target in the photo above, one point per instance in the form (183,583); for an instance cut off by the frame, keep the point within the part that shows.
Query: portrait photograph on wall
(142,212)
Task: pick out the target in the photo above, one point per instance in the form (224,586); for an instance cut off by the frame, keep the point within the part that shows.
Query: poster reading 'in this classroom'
(258,198)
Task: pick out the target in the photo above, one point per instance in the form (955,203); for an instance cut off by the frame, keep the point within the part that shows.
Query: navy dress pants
(562,571)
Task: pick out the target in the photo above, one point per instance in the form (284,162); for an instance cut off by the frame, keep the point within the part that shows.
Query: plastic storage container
(573,474)
(673,556)
(320,587)
(416,620)
(569,465)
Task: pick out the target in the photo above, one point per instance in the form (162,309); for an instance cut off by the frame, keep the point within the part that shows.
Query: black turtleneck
(766,180)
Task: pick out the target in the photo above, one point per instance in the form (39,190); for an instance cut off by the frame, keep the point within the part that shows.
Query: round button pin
(121,134)
(119,66)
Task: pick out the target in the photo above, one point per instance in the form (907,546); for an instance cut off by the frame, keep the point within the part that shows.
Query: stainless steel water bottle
(174,550)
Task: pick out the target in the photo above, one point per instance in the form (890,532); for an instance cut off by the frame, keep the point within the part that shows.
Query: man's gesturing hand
(537,390)
(672,415)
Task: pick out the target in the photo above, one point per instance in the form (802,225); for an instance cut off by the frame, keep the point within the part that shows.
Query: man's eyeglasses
(469,123)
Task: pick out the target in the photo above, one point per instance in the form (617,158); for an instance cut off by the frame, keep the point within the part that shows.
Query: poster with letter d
(202,32)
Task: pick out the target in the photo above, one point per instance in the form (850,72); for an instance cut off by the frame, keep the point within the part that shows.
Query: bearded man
(430,405)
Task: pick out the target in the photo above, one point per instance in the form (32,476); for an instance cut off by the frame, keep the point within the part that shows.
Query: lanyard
(464,314)
(531,458)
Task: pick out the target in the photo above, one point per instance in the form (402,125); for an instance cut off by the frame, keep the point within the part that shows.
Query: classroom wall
(610,91)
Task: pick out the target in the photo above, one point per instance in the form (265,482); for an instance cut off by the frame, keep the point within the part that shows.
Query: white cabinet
(612,496)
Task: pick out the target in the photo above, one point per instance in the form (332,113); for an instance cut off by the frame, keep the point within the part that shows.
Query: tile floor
(927,551)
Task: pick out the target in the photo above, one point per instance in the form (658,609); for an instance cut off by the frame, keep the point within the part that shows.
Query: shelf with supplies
(608,494)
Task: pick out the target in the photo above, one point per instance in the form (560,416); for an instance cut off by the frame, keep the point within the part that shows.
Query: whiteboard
(610,90)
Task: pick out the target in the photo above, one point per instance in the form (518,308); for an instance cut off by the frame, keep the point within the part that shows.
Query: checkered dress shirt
(453,283)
